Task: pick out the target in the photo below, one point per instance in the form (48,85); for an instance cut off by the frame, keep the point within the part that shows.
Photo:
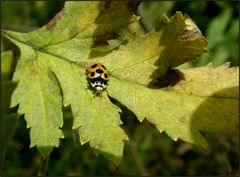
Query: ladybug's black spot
(94,66)
(99,71)
(92,74)
(104,67)
(105,75)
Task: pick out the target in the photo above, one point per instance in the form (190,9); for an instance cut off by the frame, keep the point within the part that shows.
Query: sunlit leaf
(53,63)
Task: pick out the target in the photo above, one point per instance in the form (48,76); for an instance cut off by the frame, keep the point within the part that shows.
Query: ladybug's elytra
(98,77)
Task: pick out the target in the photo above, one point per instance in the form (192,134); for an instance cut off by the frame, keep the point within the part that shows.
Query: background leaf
(9,119)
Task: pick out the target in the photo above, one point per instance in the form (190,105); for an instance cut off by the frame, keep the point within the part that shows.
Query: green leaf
(97,118)
(56,56)
(90,24)
(206,81)
(79,27)
(39,98)
(176,41)
(199,103)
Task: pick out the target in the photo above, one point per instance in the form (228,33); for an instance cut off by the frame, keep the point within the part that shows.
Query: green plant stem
(43,170)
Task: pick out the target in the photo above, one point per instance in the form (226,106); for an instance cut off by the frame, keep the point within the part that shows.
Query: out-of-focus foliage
(25,16)
(148,152)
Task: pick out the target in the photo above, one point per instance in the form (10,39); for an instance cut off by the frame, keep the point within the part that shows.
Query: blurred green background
(148,152)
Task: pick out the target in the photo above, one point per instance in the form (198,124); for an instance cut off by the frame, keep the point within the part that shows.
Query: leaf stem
(43,170)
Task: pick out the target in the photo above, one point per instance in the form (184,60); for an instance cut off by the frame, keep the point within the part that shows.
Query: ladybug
(97,76)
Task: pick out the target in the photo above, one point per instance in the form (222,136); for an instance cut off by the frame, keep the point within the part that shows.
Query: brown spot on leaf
(31,60)
(189,35)
(55,19)
(182,120)
(30,66)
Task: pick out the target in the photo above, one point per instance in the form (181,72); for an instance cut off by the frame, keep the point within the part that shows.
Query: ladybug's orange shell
(92,71)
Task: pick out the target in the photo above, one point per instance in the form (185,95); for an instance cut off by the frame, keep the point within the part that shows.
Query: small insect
(97,76)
